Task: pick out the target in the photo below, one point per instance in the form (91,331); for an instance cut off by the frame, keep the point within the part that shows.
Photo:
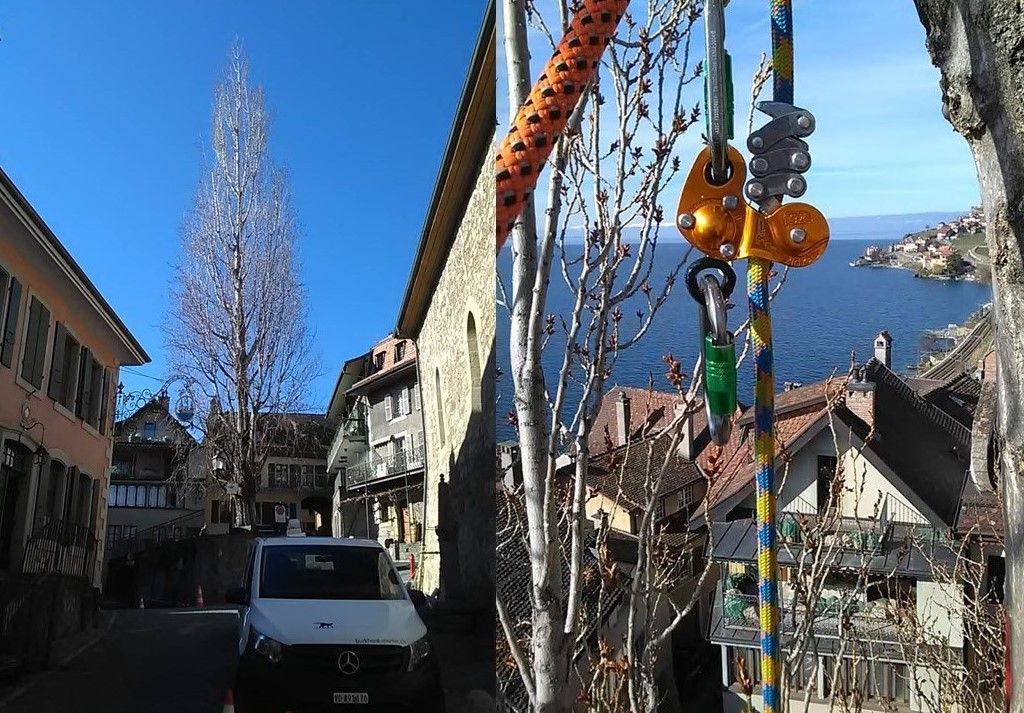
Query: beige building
(293,482)
(61,347)
(449,311)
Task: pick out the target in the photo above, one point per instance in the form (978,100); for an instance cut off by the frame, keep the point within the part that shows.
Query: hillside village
(953,250)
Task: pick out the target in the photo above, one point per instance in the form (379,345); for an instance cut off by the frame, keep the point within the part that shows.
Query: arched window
(440,406)
(473,351)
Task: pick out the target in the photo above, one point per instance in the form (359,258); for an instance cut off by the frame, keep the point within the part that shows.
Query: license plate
(351,698)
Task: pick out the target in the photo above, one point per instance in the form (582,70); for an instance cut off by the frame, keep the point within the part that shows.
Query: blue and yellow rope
(758,272)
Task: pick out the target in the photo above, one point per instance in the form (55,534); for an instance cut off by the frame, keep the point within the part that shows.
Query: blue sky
(881,146)
(108,109)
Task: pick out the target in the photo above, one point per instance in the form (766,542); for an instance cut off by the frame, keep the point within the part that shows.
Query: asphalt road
(151,661)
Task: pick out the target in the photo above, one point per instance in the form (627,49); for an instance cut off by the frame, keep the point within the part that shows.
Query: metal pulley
(717,344)
(712,213)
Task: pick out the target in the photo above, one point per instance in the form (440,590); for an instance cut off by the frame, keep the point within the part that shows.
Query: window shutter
(415,397)
(96,394)
(72,491)
(39,354)
(387,406)
(104,401)
(11,323)
(84,384)
(55,389)
(85,500)
(28,353)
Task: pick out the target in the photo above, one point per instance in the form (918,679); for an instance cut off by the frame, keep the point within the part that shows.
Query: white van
(328,625)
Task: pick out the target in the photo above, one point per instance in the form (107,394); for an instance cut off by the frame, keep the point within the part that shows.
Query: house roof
(623,474)
(390,365)
(649,410)
(160,407)
(60,255)
(922,445)
(469,144)
(730,469)
(958,397)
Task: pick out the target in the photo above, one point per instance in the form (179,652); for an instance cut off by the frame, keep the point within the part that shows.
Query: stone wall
(40,611)
(170,574)
(456,375)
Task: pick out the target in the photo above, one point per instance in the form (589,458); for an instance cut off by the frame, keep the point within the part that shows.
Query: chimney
(883,348)
(164,399)
(622,418)
(860,396)
(687,449)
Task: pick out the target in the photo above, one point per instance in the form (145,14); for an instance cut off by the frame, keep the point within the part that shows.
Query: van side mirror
(236,595)
(417,597)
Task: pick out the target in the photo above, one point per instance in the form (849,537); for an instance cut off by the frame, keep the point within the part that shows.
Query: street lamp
(217,463)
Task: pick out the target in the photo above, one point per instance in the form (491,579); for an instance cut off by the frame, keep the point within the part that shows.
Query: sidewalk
(465,649)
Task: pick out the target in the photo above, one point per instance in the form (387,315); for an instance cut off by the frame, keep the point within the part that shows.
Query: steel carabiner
(716,343)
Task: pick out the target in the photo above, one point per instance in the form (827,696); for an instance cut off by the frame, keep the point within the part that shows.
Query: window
(403,403)
(440,407)
(294,475)
(149,430)
(378,361)
(129,531)
(751,661)
(64,367)
(826,475)
(34,351)
(387,407)
(473,352)
(113,533)
(416,452)
(220,512)
(307,476)
(176,532)
(10,308)
(326,572)
(153,496)
(124,466)
(321,476)
(399,351)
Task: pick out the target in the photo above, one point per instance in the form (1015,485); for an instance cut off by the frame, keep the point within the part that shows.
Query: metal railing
(151,535)
(830,618)
(351,429)
(59,547)
(376,467)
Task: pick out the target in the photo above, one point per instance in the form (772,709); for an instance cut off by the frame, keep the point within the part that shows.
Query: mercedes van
(327,624)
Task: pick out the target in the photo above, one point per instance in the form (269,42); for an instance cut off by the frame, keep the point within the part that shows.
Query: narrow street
(183,660)
(151,661)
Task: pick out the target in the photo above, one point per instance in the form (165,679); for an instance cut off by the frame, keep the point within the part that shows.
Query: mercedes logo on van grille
(348,662)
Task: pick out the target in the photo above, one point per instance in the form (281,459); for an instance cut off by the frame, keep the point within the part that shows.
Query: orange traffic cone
(199,597)
(229,702)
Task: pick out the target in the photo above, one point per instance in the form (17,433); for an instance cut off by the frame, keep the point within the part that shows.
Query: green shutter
(42,333)
(28,357)
(10,323)
(55,388)
(97,394)
(84,384)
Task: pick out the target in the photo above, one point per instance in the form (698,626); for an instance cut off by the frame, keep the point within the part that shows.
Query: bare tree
(606,179)
(237,332)
(975,44)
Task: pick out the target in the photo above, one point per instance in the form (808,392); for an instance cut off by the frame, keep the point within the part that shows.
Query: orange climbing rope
(542,117)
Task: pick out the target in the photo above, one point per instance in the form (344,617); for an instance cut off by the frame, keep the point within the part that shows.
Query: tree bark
(979,48)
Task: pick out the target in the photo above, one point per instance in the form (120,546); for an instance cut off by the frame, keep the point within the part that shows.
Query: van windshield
(327,572)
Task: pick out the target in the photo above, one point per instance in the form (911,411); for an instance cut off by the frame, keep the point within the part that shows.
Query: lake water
(822,313)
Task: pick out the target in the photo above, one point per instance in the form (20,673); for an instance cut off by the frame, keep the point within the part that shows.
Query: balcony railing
(831,617)
(377,467)
(351,430)
(59,547)
(163,532)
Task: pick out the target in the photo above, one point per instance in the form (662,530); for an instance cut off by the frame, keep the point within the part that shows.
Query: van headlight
(265,646)
(418,652)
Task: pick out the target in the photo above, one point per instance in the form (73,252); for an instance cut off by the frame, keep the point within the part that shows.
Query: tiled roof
(731,468)
(649,411)
(623,474)
(599,596)
(958,397)
(386,347)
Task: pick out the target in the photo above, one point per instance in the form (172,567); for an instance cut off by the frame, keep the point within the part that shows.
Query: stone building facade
(449,310)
